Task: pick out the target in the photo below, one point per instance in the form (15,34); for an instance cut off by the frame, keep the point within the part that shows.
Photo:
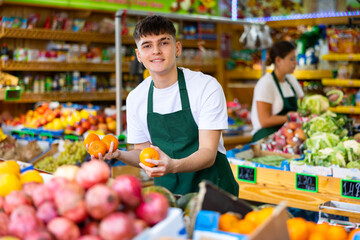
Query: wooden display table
(275,186)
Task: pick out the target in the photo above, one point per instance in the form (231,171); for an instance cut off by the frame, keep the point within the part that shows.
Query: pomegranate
(67,197)
(2,200)
(117,226)
(15,199)
(90,228)
(41,194)
(139,226)
(28,188)
(39,235)
(128,187)
(92,172)
(55,183)
(154,208)
(101,201)
(23,221)
(67,171)
(63,229)
(4,221)
(89,237)
(46,211)
(77,214)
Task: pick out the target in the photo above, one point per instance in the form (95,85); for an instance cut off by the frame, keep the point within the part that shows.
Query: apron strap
(278,85)
(185,103)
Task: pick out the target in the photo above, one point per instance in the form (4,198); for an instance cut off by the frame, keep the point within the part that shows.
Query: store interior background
(69,54)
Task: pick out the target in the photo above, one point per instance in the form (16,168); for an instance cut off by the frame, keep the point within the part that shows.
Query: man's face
(158,52)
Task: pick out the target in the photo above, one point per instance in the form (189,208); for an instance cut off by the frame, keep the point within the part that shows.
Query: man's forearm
(201,159)
(130,157)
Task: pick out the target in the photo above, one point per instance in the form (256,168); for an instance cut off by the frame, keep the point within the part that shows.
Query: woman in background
(276,93)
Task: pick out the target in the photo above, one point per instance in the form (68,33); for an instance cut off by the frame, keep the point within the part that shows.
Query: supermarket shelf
(60,66)
(2,94)
(299,74)
(195,43)
(345,109)
(241,85)
(274,186)
(341,82)
(203,68)
(47,34)
(68,97)
(306,22)
(341,57)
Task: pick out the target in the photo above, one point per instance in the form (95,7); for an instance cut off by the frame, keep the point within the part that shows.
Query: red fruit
(89,237)
(117,226)
(41,195)
(128,187)
(101,201)
(46,211)
(90,228)
(140,225)
(288,133)
(300,134)
(77,214)
(54,184)
(154,208)
(4,221)
(293,125)
(28,188)
(93,172)
(2,200)
(15,199)
(39,235)
(23,221)
(63,229)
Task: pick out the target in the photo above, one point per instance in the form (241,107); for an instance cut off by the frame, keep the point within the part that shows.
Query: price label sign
(306,182)
(12,94)
(71,137)
(246,174)
(350,188)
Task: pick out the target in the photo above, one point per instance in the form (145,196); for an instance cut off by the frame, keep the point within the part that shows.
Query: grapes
(73,153)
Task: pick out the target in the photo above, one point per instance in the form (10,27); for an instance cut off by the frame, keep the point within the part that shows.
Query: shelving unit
(340,82)
(345,109)
(341,57)
(241,74)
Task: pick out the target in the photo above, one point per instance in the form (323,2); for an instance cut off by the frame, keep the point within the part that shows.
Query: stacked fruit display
(80,203)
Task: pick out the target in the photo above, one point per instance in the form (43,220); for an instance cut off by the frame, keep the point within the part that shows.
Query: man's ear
(178,49)
(138,55)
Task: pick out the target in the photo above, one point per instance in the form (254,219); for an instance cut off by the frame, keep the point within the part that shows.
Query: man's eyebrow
(161,39)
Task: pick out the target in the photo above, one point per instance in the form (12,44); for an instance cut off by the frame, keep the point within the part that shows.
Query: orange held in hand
(90,138)
(148,153)
(107,141)
(97,147)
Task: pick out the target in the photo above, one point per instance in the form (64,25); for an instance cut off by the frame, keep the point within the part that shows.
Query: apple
(111,126)
(86,124)
(80,130)
(102,126)
(101,118)
(93,121)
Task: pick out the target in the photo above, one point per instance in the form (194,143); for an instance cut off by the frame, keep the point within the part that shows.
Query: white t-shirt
(207,103)
(266,91)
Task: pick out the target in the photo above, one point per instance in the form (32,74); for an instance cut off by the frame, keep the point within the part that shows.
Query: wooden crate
(273,186)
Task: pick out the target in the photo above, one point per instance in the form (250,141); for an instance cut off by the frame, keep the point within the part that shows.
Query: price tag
(306,182)
(27,133)
(71,137)
(46,136)
(12,94)
(246,174)
(350,188)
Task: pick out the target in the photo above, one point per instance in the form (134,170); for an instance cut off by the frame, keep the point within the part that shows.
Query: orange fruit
(227,222)
(297,228)
(9,182)
(252,217)
(264,214)
(336,233)
(97,147)
(148,153)
(10,166)
(322,228)
(90,138)
(31,176)
(245,226)
(353,232)
(107,141)
(316,236)
(311,226)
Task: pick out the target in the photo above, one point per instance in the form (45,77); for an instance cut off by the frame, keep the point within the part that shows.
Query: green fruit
(183,201)
(171,198)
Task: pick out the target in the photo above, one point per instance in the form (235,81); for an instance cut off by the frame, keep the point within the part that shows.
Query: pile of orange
(230,222)
(96,146)
(300,229)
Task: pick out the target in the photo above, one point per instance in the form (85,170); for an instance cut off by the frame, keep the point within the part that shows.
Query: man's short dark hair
(153,25)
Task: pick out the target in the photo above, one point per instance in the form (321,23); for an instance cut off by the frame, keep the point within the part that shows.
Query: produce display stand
(273,186)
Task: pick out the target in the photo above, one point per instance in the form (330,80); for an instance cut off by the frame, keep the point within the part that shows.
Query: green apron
(177,135)
(290,104)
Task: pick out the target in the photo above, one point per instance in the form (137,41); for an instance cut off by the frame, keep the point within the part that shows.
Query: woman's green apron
(290,104)
(177,135)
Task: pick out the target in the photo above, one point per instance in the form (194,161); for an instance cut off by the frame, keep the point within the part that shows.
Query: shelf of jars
(345,109)
(340,82)
(66,96)
(341,57)
(62,35)
(299,74)
(60,66)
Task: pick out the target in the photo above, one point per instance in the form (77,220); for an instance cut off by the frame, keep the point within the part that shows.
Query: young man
(178,112)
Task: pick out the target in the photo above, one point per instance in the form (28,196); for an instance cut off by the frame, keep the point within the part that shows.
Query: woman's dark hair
(153,25)
(281,49)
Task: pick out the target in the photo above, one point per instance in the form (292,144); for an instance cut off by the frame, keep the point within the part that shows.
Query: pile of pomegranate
(81,205)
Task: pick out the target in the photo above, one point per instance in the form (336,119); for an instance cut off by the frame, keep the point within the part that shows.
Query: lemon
(10,166)
(9,238)
(9,182)
(31,176)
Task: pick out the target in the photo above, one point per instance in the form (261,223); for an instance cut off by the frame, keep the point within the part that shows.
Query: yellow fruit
(9,182)
(31,176)
(10,166)
(9,238)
